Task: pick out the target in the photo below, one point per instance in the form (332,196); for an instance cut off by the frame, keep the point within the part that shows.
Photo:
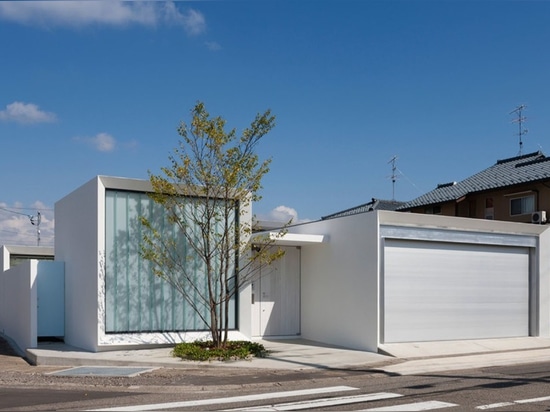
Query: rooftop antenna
(394,175)
(35,221)
(520,119)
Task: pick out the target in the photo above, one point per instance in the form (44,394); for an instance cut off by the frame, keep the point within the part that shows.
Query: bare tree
(206,193)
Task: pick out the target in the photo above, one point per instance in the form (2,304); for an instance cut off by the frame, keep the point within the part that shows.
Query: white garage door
(447,291)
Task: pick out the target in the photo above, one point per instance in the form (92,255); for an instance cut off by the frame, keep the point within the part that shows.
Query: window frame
(527,205)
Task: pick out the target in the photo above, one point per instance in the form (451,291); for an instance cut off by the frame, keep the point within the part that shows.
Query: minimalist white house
(358,281)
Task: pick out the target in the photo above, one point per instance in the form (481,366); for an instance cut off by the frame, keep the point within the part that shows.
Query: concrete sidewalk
(401,358)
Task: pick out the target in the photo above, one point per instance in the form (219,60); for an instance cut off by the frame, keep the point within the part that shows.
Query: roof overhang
(289,239)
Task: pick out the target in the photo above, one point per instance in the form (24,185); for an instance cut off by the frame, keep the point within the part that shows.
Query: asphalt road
(507,388)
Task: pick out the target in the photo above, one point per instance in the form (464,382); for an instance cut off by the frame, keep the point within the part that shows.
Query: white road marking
(321,403)
(495,405)
(502,404)
(417,406)
(542,399)
(243,398)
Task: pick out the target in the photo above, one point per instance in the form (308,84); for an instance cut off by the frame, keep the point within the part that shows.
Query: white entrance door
(444,291)
(276,297)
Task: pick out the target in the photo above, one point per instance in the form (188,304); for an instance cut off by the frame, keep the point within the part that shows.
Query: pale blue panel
(137,300)
(50,284)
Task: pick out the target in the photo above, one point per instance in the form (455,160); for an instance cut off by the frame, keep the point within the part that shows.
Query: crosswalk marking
(417,406)
(520,401)
(321,403)
(541,399)
(495,405)
(318,403)
(243,398)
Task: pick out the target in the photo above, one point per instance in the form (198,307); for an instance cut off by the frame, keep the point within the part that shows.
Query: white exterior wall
(78,227)
(18,314)
(19,294)
(340,282)
(4,258)
(542,304)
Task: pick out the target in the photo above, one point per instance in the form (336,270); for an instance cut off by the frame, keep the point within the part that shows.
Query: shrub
(205,351)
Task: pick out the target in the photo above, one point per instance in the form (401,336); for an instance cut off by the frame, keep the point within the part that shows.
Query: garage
(434,291)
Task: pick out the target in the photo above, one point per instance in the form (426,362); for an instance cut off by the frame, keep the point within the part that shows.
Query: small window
(522,205)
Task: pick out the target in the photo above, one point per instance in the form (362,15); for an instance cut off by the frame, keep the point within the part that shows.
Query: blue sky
(89,88)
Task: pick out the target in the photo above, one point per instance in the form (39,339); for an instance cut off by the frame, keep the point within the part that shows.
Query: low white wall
(18,311)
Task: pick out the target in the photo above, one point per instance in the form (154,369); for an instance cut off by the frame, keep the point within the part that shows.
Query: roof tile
(531,167)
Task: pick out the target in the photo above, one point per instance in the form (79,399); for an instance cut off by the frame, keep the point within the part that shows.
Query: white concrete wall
(18,314)
(4,258)
(543,298)
(340,282)
(19,294)
(77,231)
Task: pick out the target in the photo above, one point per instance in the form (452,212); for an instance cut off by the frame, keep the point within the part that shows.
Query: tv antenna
(520,120)
(394,175)
(35,221)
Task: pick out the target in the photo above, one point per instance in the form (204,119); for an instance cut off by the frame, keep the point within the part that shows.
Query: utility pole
(35,221)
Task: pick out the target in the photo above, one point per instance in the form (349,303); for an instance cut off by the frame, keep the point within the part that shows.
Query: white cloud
(212,45)
(25,113)
(112,13)
(17,229)
(192,21)
(102,142)
(282,214)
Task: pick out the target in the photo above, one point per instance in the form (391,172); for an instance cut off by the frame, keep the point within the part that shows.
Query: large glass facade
(136,300)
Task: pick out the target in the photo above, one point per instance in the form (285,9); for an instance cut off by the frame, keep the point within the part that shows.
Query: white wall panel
(448,291)
(276,305)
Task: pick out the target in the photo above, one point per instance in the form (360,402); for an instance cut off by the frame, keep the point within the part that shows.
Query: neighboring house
(515,189)
(360,280)
(374,204)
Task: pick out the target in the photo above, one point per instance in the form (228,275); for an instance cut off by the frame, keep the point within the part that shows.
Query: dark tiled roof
(374,204)
(533,167)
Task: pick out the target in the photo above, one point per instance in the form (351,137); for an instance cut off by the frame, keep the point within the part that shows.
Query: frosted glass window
(135,299)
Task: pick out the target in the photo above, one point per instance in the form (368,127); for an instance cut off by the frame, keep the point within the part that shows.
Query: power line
(410,181)
(34,219)
(14,212)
